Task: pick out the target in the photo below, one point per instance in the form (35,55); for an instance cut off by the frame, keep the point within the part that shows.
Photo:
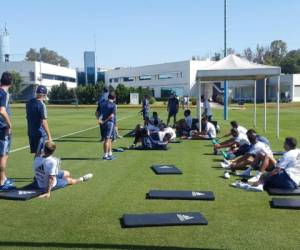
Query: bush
(60,94)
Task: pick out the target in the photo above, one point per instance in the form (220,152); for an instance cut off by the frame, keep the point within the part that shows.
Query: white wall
(184,76)
(25,67)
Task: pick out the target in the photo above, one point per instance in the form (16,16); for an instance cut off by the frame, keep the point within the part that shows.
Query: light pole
(225,54)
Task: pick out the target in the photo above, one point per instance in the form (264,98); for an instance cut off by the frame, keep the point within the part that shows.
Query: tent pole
(278,105)
(265,104)
(199,104)
(254,120)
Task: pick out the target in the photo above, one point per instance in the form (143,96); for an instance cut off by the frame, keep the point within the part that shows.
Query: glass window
(128,79)
(146,77)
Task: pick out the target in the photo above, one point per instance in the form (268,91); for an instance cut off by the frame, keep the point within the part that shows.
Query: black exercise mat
(163,219)
(180,195)
(166,169)
(25,193)
(287,192)
(285,203)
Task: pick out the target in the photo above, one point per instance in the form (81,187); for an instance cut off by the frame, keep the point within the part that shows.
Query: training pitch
(86,216)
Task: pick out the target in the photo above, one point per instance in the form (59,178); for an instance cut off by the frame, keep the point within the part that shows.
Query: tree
(290,64)
(122,94)
(60,94)
(15,90)
(47,56)
(248,54)
(216,57)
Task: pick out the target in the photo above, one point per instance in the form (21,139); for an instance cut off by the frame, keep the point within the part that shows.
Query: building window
(170,75)
(31,76)
(58,78)
(146,77)
(116,79)
(128,79)
(110,80)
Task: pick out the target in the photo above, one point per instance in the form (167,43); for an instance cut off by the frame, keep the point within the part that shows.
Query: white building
(178,77)
(35,73)
(289,89)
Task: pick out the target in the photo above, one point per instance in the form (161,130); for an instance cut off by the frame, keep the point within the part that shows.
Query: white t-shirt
(167,130)
(206,106)
(290,162)
(189,121)
(242,129)
(45,167)
(211,130)
(242,139)
(262,148)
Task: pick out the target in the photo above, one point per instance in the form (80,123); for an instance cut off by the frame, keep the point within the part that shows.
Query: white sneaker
(246,173)
(239,184)
(227,162)
(86,177)
(259,188)
(254,179)
(226,175)
(224,165)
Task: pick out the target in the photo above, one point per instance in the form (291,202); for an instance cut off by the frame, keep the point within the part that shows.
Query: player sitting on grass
(234,124)
(208,133)
(155,120)
(48,174)
(239,143)
(150,140)
(286,172)
(252,157)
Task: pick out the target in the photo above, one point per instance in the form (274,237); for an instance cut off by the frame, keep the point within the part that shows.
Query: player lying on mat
(252,157)
(47,173)
(285,173)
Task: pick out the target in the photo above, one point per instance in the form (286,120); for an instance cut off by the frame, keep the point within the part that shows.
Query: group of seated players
(248,151)
(155,134)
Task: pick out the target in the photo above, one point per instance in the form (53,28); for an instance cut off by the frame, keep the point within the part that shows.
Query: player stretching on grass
(107,121)
(37,124)
(5,130)
(48,174)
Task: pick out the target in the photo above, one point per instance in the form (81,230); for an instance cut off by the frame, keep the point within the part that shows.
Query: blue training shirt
(108,108)
(173,104)
(146,105)
(36,112)
(4,102)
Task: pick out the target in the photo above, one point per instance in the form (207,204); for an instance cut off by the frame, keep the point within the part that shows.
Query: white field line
(73,133)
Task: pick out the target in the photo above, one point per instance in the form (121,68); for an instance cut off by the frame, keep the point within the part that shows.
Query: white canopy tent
(233,68)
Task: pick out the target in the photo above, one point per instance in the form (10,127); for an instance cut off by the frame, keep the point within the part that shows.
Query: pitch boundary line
(73,133)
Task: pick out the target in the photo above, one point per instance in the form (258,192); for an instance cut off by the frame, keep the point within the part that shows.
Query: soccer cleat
(87,177)
(111,157)
(254,179)
(226,175)
(9,182)
(106,158)
(224,165)
(246,173)
(241,185)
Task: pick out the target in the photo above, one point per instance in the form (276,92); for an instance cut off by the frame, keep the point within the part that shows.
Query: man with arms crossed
(37,124)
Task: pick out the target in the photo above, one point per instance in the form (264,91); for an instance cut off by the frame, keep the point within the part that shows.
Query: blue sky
(141,32)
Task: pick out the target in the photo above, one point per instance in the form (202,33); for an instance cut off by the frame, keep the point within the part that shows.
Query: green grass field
(86,216)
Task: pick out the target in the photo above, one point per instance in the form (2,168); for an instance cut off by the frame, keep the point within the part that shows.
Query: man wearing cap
(5,130)
(37,124)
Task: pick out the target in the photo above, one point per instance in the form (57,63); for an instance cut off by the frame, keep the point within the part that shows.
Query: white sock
(106,155)
(110,153)
(259,174)
(81,178)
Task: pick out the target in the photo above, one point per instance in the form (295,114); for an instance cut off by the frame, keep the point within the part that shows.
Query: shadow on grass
(217,160)
(62,245)
(80,137)
(21,179)
(80,158)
